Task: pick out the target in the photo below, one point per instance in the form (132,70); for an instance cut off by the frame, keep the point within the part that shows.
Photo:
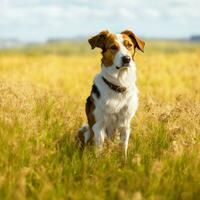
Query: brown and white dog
(114,96)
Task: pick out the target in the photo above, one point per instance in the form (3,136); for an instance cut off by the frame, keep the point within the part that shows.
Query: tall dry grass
(42,97)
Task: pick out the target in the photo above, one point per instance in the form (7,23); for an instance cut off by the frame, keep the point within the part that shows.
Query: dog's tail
(83,136)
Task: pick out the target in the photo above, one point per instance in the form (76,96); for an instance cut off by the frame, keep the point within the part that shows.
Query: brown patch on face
(138,43)
(110,49)
(107,42)
(128,43)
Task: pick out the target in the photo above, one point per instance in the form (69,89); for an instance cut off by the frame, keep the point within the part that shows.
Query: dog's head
(118,50)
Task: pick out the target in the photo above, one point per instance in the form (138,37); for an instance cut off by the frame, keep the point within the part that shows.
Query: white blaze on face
(123,51)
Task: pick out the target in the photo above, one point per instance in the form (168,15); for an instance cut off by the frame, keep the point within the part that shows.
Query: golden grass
(42,99)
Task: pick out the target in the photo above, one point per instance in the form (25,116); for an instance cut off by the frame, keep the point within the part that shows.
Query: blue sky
(38,20)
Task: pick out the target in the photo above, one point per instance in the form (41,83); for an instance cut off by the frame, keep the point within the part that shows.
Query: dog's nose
(126,59)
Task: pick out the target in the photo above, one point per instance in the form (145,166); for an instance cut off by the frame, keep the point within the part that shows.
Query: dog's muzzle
(125,62)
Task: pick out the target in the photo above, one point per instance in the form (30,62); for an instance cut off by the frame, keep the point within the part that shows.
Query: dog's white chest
(118,112)
(112,108)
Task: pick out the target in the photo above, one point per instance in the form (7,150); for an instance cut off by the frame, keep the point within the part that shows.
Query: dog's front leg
(99,135)
(124,137)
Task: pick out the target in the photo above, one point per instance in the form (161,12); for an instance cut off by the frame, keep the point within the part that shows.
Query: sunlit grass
(42,97)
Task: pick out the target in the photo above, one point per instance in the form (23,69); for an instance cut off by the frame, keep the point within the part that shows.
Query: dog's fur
(114,96)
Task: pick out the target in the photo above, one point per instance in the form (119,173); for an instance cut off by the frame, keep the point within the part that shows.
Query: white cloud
(39,20)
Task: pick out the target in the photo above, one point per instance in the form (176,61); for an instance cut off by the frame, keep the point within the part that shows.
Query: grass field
(42,96)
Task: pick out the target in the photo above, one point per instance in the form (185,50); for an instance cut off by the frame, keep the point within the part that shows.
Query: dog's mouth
(122,67)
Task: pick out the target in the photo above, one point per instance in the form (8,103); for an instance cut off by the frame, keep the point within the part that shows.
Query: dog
(113,100)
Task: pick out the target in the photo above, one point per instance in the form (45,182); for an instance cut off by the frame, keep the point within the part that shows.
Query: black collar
(116,88)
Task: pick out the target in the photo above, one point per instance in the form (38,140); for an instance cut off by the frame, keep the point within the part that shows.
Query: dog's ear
(98,40)
(136,40)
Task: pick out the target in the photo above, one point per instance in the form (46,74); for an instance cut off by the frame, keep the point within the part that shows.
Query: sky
(39,20)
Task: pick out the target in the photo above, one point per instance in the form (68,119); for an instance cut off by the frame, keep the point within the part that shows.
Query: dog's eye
(129,46)
(113,47)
